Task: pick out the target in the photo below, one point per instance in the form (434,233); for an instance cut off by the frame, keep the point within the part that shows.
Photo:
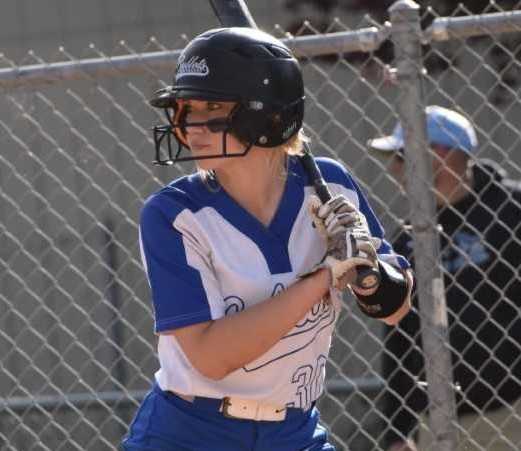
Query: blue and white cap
(444,127)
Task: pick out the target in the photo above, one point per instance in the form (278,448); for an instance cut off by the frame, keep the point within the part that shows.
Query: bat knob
(367,277)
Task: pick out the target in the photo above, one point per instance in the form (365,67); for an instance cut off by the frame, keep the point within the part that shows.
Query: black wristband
(389,296)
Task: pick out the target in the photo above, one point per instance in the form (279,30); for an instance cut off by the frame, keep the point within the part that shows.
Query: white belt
(246,409)
(249,409)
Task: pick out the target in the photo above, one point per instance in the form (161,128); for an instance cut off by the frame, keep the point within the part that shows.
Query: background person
(243,338)
(479,210)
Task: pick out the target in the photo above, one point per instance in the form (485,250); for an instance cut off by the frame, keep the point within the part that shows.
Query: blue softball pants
(165,422)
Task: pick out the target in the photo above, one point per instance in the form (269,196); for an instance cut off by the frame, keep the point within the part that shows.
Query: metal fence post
(406,37)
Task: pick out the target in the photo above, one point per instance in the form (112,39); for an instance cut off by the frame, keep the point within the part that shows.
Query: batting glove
(349,242)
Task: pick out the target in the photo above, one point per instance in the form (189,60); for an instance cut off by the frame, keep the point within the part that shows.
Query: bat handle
(367,277)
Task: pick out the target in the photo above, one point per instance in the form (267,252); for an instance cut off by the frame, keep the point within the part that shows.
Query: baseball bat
(366,276)
(235,13)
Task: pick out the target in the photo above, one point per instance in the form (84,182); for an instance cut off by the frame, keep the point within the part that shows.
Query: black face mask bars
(160,132)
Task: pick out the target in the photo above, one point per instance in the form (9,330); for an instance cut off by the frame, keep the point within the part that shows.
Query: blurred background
(77,349)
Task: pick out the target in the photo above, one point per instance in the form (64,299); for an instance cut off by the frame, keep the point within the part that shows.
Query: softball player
(244,336)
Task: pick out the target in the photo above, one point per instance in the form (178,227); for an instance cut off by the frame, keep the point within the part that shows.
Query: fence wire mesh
(76,338)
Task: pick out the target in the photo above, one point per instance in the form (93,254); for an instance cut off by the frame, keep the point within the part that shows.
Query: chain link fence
(76,338)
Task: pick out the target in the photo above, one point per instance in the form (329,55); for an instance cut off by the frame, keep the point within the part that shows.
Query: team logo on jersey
(318,321)
(294,343)
(234,304)
(195,66)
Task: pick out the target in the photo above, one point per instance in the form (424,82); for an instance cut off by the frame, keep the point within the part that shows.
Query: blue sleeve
(336,173)
(178,294)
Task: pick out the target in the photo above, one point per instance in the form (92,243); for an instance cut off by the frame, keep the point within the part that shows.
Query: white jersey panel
(292,370)
(236,263)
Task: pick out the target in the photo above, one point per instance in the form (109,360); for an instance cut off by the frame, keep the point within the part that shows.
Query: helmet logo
(289,130)
(195,66)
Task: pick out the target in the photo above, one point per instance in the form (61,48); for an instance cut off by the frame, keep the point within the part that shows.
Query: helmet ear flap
(287,122)
(248,125)
(267,129)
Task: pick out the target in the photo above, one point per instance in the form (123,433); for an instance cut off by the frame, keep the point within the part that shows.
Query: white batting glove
(349,242)
(347,251)
(335,216)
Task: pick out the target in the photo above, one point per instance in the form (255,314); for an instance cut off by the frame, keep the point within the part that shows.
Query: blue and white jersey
(207,257)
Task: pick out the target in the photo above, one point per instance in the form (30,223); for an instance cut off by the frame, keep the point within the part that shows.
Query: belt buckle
(233,410)
(225,408)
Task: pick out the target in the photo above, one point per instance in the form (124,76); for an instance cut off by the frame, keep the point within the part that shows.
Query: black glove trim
(389,296)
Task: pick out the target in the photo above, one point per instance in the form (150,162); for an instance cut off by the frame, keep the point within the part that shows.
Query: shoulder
(184,193)
(498,195)
(334,172)
(513,186)
(512,204)
(402,240)
(489,174)
(510,209)
(493,183)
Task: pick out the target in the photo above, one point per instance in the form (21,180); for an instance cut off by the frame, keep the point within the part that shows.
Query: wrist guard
(389,296)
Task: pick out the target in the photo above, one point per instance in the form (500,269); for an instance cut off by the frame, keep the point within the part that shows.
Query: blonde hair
(295,145)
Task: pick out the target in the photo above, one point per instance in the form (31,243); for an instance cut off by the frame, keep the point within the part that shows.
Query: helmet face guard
(239,65)
(178,127)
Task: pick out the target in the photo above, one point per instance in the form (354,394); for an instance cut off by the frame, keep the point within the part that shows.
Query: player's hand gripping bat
(235,13)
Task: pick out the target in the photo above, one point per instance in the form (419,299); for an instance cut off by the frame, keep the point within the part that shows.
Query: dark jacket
(481,256)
